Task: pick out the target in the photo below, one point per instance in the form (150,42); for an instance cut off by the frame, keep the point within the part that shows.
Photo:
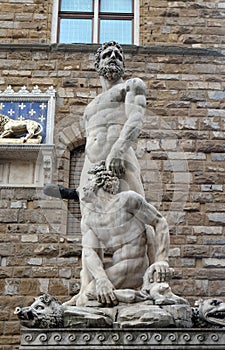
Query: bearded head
(109,61)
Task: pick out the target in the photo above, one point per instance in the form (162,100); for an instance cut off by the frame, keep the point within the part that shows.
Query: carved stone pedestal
(122,338)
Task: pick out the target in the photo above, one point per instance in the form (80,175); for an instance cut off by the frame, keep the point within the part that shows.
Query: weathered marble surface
(47,312)
(116,339)
(10,128)
(143,314)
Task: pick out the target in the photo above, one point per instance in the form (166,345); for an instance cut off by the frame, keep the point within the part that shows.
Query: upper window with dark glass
(96,21)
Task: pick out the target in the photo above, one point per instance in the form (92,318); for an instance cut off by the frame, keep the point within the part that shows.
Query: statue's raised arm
(135,103)
(128,101)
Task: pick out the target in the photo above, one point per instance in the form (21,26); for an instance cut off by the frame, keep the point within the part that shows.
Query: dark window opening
(74,215)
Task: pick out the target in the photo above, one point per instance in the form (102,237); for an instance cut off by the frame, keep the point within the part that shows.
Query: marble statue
(48,312)
(118,221)
(209,312)
(12,128)
(130,286)
(45,312)
(113,121)
(115,214)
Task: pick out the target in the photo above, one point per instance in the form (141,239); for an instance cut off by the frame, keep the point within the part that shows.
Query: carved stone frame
(34,96)
(39,156)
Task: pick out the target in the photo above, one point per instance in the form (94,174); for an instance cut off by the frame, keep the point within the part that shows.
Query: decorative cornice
(23,92)
(152,49)
(133,338)
(25,152)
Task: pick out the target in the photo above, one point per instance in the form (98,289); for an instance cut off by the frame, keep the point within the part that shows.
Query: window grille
(74,215)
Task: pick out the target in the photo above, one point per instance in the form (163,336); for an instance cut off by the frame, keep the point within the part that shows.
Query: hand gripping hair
(104,178)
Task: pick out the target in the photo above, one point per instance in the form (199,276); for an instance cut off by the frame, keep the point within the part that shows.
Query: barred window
(98,21)
(74,215)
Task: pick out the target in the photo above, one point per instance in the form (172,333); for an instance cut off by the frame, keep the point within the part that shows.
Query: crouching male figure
(119,221)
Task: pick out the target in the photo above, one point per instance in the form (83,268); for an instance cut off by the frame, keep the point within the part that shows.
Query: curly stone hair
(104,178)
(104,47)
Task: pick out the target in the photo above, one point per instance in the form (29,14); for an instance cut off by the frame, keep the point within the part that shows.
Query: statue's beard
(111,72)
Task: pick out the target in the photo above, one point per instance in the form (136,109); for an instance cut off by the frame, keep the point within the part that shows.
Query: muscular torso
(104,119)
(116,229)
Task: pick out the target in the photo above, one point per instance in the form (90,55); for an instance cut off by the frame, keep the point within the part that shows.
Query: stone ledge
(25,151)
(127,339)
(133,49)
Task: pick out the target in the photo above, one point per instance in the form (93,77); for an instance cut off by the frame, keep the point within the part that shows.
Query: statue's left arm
(135,103)
(158,239)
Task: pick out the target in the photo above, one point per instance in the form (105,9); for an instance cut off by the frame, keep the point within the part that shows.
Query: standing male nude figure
(114,119)
(112,122)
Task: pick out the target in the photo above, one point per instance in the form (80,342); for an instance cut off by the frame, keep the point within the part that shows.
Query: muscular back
(115,223)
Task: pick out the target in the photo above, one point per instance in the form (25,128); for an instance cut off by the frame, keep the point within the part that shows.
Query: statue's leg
(6,133)
(86,285)
(30,134)
(61,192)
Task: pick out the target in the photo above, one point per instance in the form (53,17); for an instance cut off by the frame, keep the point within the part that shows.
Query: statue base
(126,338)
(18,141)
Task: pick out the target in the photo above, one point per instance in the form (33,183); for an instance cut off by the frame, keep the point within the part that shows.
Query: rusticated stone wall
(181,151)
(25,21)
(195,23)
(189,23)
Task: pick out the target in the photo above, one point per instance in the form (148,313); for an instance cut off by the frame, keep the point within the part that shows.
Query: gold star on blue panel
(21,110)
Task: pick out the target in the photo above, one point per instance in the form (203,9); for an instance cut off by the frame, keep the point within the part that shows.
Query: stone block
(12,287)
(216,112)
(169,144)
(174,252)
(69,250)
(152,145)
(217,207)
(8,215)
(218,252)
(213,241)
(210,123)
(216,95)
(35,261)
(210,146)
(11,327)
(208,230)
(175,165)
(27,288)
(65,273)
(217,217)
(167,76)
(211,187)
(220,157)
(7,249)
(197,251)
(217,288)
(188,263)
(58,287)
(47,249)
(5,272)
(186,155)
(29,238)
(213,262)
(44,271)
